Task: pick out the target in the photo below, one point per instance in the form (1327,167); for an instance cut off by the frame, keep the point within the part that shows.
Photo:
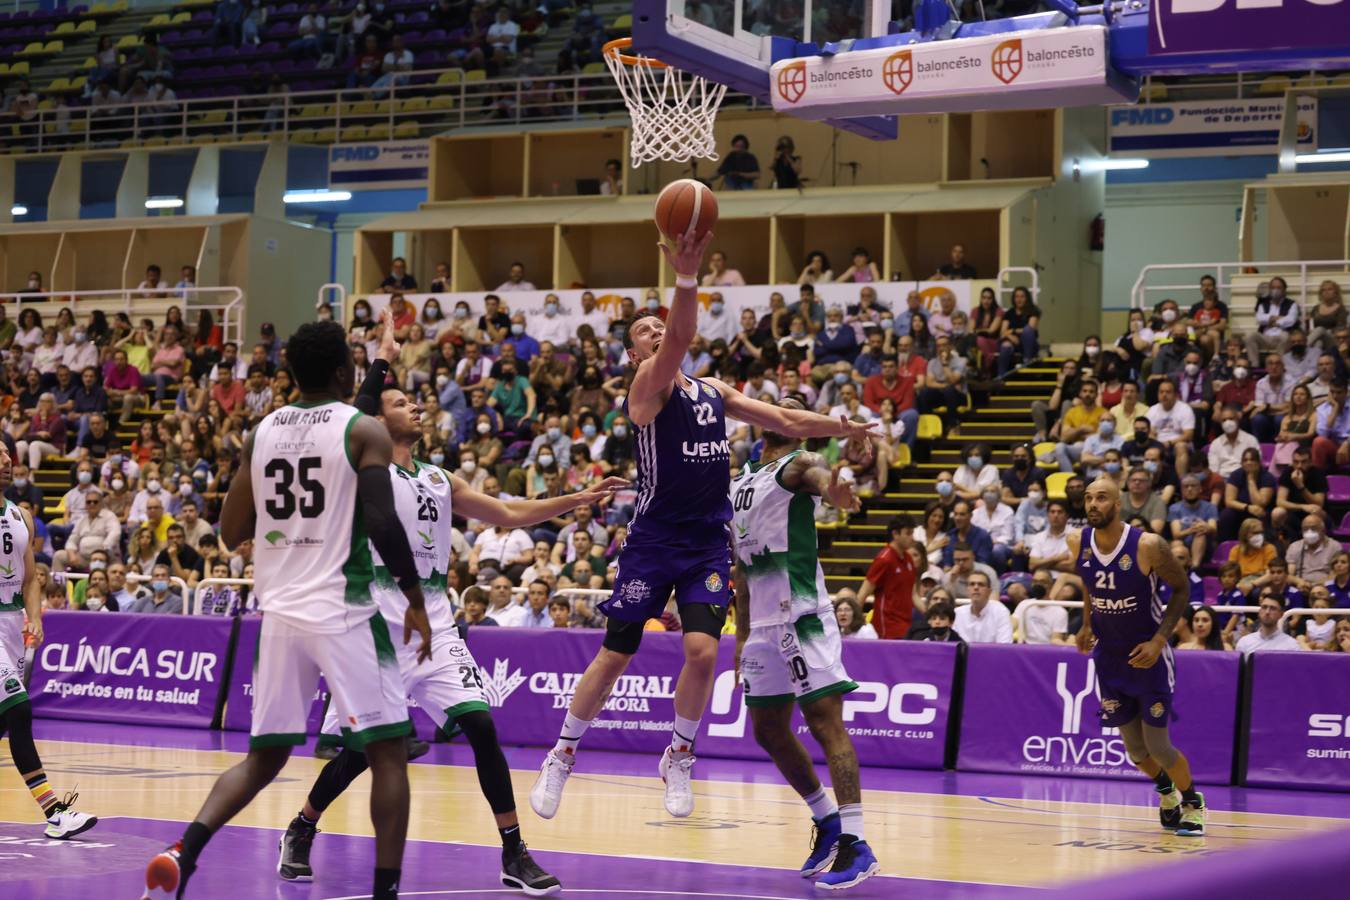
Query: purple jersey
(684,468)
(1126,604)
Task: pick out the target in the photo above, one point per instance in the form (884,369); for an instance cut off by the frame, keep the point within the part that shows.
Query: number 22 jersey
(311,555)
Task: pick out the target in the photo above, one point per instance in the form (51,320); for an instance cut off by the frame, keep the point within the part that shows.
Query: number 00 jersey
(422,500)
(775,533)
(1126,607)
(13,546)
(311,556)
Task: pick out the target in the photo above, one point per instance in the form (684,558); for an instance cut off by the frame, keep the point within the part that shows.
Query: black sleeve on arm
(376,493)
(368,398)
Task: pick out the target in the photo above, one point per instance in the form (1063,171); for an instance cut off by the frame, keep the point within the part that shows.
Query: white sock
(821,803)
(851,820)
(572,731)
(683,735)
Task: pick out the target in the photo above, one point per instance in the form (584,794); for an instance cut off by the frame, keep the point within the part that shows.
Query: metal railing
(1302,276)
(1302,611)
(64,578)
(212,583)
(418,104)
(1033,282)
(226,304)
(1237,86)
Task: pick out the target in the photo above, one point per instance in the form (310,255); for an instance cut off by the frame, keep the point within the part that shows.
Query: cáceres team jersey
(13,545)
(310,552)
(422,501)
(1126,605)
(684,468)
(774,529)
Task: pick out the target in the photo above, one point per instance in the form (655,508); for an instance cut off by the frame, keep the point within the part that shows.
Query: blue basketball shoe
(824,842)
(853,864)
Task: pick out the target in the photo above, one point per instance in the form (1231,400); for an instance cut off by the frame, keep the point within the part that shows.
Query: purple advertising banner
(239,700)
(136,669)
(1188,26)
(898,716)
(1033,710)
(1300,720)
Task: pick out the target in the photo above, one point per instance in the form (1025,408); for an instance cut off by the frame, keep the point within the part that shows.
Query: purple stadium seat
(427,59)
(171,37)
(1267,454)
(1342,532)
(1221,553)
(283,31)
(237,70)
(224,52)
(289,8)
(1211,589)
(1338,488)
(269,48)
(205,17)
(284,65)
(419,18)
(21,14)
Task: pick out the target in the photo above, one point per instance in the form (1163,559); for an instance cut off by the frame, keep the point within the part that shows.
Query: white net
(672,111)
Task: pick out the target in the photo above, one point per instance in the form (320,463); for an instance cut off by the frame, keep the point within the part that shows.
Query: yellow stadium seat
(4,69)
(86,27)
(623,23)
(476,75)
(413,104)
(594,68)
(214,117)
(120,6)
(130,143)
(88,64)
(54,47)
(79,125)
(407,130)
(454,76)
(1044,448)
(443,102)
(384,107)
(1154,92)
(1275,84)
(63,28)
(930,428)
(46,103)
(32,49)
(19,68)
(311,111)
(353,133)
(78,82)
(303,136)
(159,21)
(98,9)
(377,133)
(181,18)
(360,108)
(325,136)
(58,85)
(127,41)
(902,457)
(1055,483)
(1311,80)
(156,141)
(205,139)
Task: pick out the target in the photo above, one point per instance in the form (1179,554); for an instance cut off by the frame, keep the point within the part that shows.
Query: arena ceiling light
(163,202)
(1339,155)
(1120,165)
(18,210)
(320,195)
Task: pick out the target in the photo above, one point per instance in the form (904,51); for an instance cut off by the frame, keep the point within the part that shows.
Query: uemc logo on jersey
(706,449)
(1071,749)
(909,704)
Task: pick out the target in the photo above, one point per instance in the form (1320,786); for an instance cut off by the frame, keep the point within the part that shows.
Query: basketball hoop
(672,111)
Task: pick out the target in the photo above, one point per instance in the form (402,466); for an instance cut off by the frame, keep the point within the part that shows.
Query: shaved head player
(1124,615)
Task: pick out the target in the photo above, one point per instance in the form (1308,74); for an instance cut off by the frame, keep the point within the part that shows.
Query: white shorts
(12,692)
(446,686)
(801,661)
(360,667)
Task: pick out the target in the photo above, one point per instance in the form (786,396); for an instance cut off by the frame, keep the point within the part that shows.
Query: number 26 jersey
(312,561)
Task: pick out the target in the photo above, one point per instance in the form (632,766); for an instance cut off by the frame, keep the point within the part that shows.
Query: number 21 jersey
(311,556)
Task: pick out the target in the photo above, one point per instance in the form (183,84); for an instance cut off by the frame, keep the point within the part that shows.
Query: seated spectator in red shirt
(404,316)
(228,391)
(900,382)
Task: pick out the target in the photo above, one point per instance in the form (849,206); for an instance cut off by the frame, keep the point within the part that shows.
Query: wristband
(685,281)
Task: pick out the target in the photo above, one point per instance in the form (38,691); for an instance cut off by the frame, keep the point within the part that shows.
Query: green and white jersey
(422,500)
(13,545)
(775,533)
(310,551)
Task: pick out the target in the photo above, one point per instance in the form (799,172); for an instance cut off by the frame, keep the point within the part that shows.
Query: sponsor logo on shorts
(1156,710)
(351,720)
(7,570)
(12,686)
(1125,562)
(1109,707)
(713,583)
(633,591)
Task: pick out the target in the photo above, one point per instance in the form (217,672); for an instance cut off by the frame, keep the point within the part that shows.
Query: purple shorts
(1128,693)
(649,571)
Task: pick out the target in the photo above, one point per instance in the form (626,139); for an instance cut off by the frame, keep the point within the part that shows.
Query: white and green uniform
(794,651)
(449,684)
(314,571)
(13,545)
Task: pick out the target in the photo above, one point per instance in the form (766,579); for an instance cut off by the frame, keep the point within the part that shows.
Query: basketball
(683,205)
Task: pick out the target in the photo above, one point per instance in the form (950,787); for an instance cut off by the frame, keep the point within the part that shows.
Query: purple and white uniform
(1127,607)
(679,536)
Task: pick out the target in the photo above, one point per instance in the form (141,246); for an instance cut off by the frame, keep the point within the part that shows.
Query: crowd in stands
(1220,441)
(529,407)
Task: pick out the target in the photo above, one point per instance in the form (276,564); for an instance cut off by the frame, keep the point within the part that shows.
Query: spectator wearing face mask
(976,473)
(1310,557)
(620,446)
(551,327)
(1276,315)
(1097,445)
(551,446)
(995,517)
(160,596)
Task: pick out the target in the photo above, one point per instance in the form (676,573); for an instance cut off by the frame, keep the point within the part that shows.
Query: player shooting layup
(447,686)
(20,599)
(788,645)
(1120,566)
(678,539)
(322,475)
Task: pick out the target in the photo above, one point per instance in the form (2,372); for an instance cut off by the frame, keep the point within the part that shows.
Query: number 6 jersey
(311,557)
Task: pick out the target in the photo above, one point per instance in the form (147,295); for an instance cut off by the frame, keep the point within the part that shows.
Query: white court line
(700,862)
(585,890)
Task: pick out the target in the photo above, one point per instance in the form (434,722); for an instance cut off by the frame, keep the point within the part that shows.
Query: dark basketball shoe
(417,747)
(295,846)
(520,871)
(1169,809)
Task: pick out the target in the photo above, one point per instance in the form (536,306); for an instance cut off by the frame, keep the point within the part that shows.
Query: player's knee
(269,761)
(771,733)
(478,728)
(18,718)
(700,654)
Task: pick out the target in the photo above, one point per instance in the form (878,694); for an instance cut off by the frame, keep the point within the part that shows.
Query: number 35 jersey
(311,557)
(422,501)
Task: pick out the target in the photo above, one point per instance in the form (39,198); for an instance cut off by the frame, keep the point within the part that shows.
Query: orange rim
(614,47)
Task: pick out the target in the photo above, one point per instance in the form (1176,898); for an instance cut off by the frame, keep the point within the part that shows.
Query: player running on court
(321,471)
(788,646)
(20,620)
(1122,611)
(678,539)
(447,686)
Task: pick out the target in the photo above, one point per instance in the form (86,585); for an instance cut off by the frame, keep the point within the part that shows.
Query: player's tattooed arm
(1162,562)
(741,588)
(812,473)
(238,516)
(1084,639)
